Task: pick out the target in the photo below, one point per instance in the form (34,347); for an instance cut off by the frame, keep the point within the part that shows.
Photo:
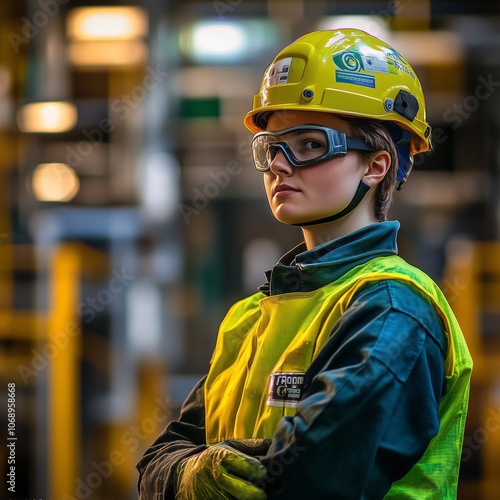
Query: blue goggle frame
(337,145)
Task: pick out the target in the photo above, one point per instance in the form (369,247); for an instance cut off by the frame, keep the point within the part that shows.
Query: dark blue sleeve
(370,406)
(181,438)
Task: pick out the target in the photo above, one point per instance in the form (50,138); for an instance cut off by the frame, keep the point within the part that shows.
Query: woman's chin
(292,218)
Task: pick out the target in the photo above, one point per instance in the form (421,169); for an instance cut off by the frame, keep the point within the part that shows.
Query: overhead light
(47,117)
(107,36)
(107,23)
(55,182)
(211,42)
(218,40)
(374,25)
(108,53)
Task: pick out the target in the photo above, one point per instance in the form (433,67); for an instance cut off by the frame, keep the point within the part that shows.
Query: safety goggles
(303,145)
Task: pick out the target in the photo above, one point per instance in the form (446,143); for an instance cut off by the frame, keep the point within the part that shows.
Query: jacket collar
(302,270)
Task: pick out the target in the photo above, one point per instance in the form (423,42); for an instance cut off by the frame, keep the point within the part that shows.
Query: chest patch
(285,389)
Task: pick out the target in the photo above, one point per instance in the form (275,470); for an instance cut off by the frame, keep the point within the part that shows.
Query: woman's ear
(377,167)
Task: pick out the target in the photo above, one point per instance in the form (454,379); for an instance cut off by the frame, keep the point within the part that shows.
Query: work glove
(250,446)
(222,472)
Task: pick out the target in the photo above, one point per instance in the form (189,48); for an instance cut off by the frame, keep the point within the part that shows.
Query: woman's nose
(280,165)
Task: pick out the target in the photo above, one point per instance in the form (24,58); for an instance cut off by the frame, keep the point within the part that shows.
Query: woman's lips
(284,190)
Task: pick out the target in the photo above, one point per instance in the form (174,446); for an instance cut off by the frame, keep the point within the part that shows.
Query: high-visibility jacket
(266,345)
(344,356)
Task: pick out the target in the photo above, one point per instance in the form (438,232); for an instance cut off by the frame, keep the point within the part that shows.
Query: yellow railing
(472,284)
(68,264)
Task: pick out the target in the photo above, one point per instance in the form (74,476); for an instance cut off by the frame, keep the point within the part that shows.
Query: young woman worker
(346,376)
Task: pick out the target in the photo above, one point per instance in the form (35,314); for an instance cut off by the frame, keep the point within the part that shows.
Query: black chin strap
(363,188)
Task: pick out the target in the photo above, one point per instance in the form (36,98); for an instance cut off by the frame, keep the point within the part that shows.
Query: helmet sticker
(355,78)
(357,65)
(278,72)
(353,66)
(397,63)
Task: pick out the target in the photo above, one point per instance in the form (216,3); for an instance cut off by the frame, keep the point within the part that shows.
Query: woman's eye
(312,144)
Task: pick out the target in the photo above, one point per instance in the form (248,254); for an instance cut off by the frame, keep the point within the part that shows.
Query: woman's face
(309,193)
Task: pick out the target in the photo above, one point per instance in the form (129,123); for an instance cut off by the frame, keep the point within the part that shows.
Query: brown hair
(376,134)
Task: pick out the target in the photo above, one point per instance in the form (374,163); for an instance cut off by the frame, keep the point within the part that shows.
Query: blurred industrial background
(131,216)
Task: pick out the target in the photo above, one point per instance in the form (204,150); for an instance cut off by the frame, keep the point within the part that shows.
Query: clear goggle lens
(302,145)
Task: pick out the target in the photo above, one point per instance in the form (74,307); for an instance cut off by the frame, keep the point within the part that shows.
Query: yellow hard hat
(347,72)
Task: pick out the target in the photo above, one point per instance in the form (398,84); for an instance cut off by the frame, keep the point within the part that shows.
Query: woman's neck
(321,233)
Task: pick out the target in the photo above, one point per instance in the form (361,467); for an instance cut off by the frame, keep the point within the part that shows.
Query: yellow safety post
(67,265)
(472,285)
(64,383)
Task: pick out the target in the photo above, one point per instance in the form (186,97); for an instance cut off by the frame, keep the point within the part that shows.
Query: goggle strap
(360,193)
(358,144)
